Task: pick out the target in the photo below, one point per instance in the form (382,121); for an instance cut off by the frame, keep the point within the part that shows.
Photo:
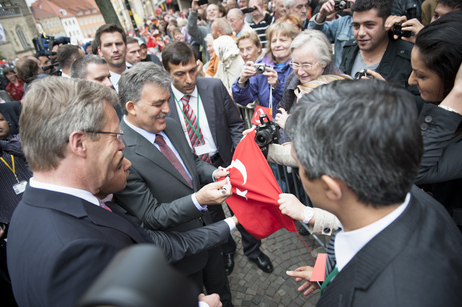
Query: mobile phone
(202,2)
(248,10)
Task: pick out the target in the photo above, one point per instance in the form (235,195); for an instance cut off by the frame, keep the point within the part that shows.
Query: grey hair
(317,39)
(79,66)
(224,25)
(52,109)
(236,12)
(132,81)
(290,3)
(208,38)
(364,133)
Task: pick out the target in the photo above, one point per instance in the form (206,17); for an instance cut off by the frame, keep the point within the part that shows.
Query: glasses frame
(119,135)
(303,66)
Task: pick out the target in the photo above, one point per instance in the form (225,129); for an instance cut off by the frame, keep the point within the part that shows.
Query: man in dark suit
(61,236)
(220,126)
(164,188)
(396,246)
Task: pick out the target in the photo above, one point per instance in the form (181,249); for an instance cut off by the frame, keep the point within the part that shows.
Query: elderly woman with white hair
(311,54)
(311,57)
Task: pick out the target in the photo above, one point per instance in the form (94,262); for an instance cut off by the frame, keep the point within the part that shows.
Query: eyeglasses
(305,67)
(119,135)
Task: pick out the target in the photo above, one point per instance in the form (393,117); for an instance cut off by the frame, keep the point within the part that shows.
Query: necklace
(370,60)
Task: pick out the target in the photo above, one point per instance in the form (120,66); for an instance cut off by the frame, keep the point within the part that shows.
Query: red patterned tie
(170,155)
(103,205)
(191,122)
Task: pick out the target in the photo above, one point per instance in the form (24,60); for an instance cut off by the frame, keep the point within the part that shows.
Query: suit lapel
(79,209)
(147,150)
(372,259)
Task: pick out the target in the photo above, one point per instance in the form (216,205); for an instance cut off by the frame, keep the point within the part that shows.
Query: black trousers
(214,278)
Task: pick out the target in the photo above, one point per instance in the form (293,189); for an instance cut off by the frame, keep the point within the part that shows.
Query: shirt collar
(151,137)
(348,244)
(178,95)
(85,195)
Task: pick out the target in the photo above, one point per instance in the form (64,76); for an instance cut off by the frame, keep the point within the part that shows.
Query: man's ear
(99,52)
(77,143)
(333,187)
(130,107)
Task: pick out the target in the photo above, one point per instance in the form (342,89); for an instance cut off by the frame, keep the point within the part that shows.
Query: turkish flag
(258,111)
(255,191)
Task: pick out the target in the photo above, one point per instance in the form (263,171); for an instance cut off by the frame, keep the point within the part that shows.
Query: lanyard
(329,278)
(187,119)
(12,168)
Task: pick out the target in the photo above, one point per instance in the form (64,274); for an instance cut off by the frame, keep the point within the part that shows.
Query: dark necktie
(331,270)
(195,134)
(168,153)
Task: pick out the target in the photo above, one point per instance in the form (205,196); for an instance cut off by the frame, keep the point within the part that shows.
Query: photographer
(258,78)
(407,28)
(338,31)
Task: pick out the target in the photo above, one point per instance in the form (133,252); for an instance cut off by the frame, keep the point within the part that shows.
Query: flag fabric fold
(255,191)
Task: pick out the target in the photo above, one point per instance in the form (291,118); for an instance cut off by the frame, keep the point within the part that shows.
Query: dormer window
(79,12)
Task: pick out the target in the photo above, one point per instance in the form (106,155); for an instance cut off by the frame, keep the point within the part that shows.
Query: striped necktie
(195,133)
(331,262)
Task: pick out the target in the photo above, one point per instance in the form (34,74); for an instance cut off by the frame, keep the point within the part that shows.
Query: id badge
(20,187)
(202,149)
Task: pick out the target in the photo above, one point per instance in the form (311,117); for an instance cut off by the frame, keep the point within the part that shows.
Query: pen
(223,190)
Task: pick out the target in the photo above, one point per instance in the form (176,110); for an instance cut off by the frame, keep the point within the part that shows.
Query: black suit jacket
(157,194)
(415,261)
(222,114)
(58,244)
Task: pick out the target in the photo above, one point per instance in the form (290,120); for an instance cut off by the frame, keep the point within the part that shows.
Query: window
(22,37)
(79,12)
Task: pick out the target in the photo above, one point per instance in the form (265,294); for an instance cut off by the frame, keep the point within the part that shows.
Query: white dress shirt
(348,244)
(200,113)
(85,195)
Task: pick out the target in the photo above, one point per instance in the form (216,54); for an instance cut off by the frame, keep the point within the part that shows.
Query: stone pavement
(252,287)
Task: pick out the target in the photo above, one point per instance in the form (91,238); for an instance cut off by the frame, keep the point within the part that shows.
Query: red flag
(258,111)
(255,191)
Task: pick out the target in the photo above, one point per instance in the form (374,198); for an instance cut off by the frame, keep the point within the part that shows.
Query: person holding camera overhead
(265,79)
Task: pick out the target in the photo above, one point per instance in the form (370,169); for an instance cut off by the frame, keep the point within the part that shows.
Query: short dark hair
(79,66)
(383,7)
(7,70)
(108,28)
(178,53)
(132,40)
(67,54)
(362,132)
(455,4)
(27,69)
(440,46)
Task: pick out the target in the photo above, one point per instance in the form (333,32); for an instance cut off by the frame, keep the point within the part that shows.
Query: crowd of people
(123,141)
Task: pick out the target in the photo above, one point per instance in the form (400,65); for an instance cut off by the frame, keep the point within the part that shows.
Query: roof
(67,8)
(39,13)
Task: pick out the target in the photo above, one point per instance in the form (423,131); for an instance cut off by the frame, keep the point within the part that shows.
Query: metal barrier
(289,182)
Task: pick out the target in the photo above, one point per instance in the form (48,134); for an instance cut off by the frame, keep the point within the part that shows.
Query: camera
(44,44)
(341,5)
(399,32)
(362,73)
(266,133)
(261,67)
(248,10)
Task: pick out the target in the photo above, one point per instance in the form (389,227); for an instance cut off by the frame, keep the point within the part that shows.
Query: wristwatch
(308,213)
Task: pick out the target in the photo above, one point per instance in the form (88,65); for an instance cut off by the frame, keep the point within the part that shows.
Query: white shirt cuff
(196,203)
